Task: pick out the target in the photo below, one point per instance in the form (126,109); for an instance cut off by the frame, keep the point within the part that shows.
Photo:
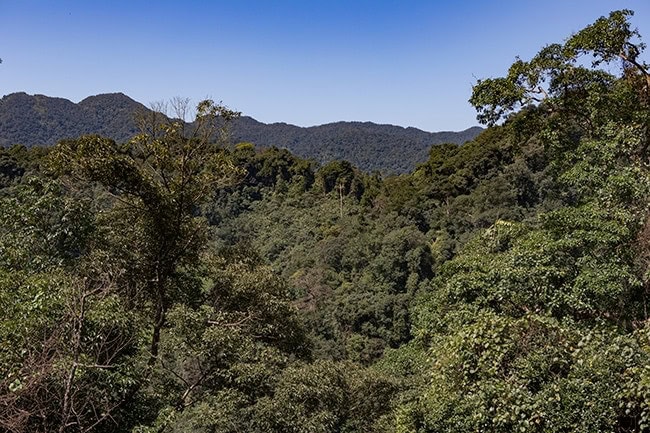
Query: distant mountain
(367,145)
(43,120)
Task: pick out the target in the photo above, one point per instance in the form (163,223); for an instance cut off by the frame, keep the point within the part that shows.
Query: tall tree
(139,256)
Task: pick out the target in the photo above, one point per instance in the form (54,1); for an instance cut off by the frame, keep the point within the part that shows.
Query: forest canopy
(178,282)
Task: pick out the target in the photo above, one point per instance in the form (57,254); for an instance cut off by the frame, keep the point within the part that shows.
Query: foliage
(539,325)
(555,77)
(176,283)
(37,120)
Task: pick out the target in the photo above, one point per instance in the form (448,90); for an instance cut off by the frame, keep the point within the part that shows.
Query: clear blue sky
(409,63)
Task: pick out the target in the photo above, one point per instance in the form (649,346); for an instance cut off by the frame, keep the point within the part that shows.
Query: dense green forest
(34,120)
(177,283)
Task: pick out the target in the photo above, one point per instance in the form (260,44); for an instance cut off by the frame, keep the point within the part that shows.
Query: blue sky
(409,63)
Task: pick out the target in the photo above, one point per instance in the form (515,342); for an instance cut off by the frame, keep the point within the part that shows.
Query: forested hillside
(42,120)
(385,148)
(175,284)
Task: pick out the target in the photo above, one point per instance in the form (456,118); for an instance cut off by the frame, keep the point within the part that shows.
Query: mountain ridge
(44,120)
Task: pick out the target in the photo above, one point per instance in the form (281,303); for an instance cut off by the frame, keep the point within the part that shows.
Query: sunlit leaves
(555,77)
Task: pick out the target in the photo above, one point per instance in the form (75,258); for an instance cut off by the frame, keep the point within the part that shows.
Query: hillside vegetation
(175,284)
(42,120)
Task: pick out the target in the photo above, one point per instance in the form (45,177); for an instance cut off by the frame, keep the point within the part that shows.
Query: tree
(555,76)
(112,280)
(541,325)
(158,179)
(224,355)
(65,334)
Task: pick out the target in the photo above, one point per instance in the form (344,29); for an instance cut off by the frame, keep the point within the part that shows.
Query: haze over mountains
(43,120)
